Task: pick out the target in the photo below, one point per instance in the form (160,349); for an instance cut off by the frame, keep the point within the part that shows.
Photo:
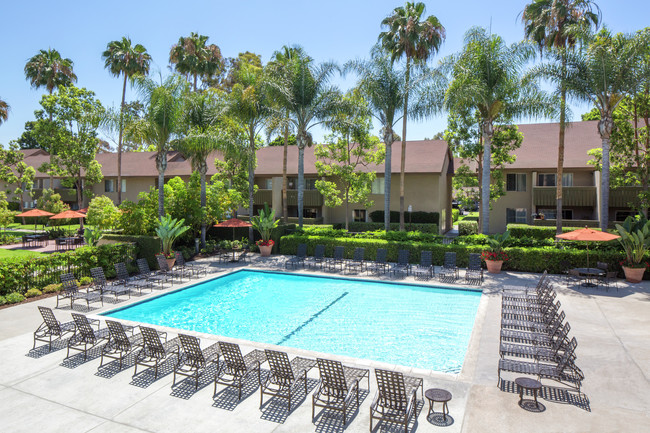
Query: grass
(10,254)
(468,215)
(69,227)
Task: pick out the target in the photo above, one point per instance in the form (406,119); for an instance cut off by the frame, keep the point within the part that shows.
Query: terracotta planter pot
(171,262)
(494,266)
(265,250)
(633,275)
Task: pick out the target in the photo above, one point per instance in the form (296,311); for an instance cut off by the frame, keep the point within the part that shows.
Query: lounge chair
(299,258)
(119,345)
(85,337)
(193,361)
(474,269)
(154,350)
(166,270)
(126,280)
(358,260)
(547,339)
(449,269)
(533,326)
(338,385)
(402,265)
(396,398)
(193,266)
(337,260)
(71,291)
(236,367)
(284,375)
(532,313)
(551,353)
(424,270)
(318,258)
(100,283)
(154,277)
(185,270)
(379,265)
(51,329)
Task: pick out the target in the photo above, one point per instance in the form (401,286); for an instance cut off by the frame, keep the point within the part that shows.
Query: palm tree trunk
(119,146)
(301,180)
(560,162)
(285,207)
(161,193)
(488,130)
(203,170)
(51,152)
(347,209)
(195,79)
(388,140)
(251,182)
(605,127)
(403,162)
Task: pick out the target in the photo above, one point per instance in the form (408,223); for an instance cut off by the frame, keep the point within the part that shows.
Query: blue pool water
(403,324)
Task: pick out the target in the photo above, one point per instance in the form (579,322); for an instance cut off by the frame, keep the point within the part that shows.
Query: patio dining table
(590,274)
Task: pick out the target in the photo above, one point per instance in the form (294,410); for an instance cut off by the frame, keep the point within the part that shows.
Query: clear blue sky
(328,30)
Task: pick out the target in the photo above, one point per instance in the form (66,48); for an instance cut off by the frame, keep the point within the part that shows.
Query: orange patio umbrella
(68,214)
(587,235)
(35,213)
(234,223)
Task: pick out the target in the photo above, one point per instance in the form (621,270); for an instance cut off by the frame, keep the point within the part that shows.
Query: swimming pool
(411,325)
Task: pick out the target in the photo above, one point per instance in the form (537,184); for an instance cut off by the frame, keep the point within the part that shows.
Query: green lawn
(8,254)
(16,226)
(470,214)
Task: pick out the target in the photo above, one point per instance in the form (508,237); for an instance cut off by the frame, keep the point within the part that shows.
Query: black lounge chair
(166,270)
(551,353)
(119,345)
(299,258)
(424,270)
(126,280)
(449,269)
(379,265)
(402,265)
(358,260)
(51,329)
(284,375)
(103,286)
(564,371)
(71,291)
(182,267)
(558,331)
(396,398)
(318,258)
(193,361)
(193,266)
(154,350)
(543,296)
(533,326)
(154,277)
(337,260)
(532,313)
(236,367)
(474,269)
(338,385)
(85,337)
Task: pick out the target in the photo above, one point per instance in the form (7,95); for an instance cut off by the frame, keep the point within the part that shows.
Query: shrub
(14,297)
(3,300)
(52,288)
(536,232)
(455,214)
(146,246)
(102,213)
(418,217)
(467,227)
(31,293)
(85,281)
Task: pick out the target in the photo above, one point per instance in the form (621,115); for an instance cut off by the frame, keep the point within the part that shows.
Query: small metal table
(590,273)
(526,383)
(438,395)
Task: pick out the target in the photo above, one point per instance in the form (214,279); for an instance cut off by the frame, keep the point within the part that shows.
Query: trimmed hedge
(455,215)
(372,226)
(418,217)
(146,246)
(537,232)
(466,228)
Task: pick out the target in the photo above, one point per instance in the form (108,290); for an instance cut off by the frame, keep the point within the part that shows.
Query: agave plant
(168,230)
(635,240)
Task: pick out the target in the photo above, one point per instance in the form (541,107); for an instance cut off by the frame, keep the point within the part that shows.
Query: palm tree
(383,87)
(487,76)
(121,58)
(551,24)
(192,57)
(161,122)
(417,40)
(601,73)
(4,111)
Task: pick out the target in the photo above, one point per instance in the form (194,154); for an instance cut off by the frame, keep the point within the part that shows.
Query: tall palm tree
(4,111)
(121,58)
(193,57)
(416,40)
(162,121)
(601,73)
(551,24)
(488,76)
(383,87)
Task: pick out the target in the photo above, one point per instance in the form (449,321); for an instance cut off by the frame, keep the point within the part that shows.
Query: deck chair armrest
(92,322)
(163,335)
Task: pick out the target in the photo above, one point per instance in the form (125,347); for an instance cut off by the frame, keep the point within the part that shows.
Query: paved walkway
(41,392)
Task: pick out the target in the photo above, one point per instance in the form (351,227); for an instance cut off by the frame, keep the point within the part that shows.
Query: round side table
(526,383)
(438,395)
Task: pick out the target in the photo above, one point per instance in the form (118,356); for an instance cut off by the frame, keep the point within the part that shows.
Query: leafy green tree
(27,139)
(139,218)
(122,58)
(407,36)
(551,24)
(4,111)
(102,213)
(193,57)
(6,215)
(279,141)
(233,65)
(18,176)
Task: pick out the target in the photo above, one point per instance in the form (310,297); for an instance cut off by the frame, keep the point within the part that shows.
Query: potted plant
(635,240)
(168,230)
(494,255)
(264,223)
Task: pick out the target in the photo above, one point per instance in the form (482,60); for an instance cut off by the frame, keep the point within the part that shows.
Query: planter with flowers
(494,255)
(264,223)
(635,240)
(168,230)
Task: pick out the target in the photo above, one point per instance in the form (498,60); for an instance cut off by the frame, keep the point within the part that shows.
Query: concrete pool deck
(41,392)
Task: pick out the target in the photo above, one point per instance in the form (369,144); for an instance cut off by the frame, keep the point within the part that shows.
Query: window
(516,216)
(621,215)
(378,186)
(109,185)
(567,179)
(123,185)
(551,214)
(516,182)
(548,179)
(359,215)
(310,184)
(268,184)
(310,212)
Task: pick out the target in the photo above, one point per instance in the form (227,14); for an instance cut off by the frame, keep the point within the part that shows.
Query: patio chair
(236,367)
(126,280)
(186,270)
(573,277)
(318,258)
(402,266)
(154,277)
(166,270)
(474,269)
(51,329)
(245,255)
(608,280)
(71,291)
(155,350)
(284,375)
(557,331)
(193,361)
(85,337)
(529,300)
(449,269)
(358,260)
(198,267)
(338,385)
(533,313)
(100,283)
(119,345)
(396,398)
(532,325)
(602,265)
(424,270)
(380,264)
(337,260)
(299,258)
(549,353)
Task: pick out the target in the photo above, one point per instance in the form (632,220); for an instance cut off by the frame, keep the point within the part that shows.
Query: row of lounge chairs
(424,270)
(534,338)
(338,388)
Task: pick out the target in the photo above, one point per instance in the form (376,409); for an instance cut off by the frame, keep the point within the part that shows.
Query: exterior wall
(134,186)
(514,200)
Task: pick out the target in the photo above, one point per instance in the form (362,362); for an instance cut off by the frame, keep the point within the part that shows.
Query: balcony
(67,194)
(262,196)
(571,196)
(311,198)
(624,196)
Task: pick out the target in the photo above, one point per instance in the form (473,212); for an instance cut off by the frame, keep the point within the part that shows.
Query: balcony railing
(624,196)
(571,196)
(263,196)
(311,198)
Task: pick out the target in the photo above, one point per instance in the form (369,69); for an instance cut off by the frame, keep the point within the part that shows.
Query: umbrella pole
(587,254)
